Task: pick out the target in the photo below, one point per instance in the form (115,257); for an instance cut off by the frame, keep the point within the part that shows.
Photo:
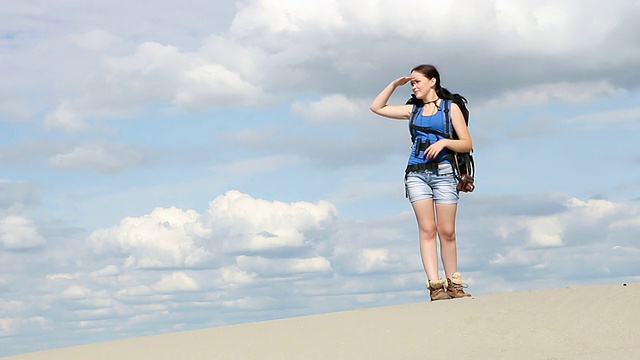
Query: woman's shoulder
(451,103)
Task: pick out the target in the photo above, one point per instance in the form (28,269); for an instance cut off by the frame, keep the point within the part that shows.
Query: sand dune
(582,322)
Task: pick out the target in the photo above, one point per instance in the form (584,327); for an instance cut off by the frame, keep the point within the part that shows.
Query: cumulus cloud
(257,254)
(548,230)
(158,72)
(153,73)
(213,85)
(501,34)
(19,233)
(232,276)
(175,282)
(331,108)
(262,58)
(161,239)
(244,224)
(584,232)
(242,258)
(235,223)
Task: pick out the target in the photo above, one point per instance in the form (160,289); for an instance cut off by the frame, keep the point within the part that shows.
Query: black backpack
(463,164)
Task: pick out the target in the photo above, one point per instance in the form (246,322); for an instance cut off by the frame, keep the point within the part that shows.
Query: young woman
(430,183)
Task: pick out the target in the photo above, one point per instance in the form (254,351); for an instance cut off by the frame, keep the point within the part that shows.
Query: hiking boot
(455,287)
(438,289)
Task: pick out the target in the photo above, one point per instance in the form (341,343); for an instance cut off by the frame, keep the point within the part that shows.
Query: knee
(428,233)
(447,235)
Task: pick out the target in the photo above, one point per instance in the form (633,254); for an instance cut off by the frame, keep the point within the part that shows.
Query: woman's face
(420,84)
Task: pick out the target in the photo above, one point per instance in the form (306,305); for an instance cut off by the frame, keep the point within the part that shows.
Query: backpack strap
(413,127)
(448,126)
(463,163)
(447,119)
(412,120)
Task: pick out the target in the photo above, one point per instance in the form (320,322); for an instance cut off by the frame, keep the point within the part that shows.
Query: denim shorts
(438,185)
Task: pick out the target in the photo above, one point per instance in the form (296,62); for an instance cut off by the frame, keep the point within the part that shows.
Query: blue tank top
(435,122)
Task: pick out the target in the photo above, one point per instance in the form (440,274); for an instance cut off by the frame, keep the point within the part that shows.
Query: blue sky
(168,167)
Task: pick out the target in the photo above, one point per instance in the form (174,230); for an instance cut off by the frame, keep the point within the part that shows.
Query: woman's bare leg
(446,225)
(425,216)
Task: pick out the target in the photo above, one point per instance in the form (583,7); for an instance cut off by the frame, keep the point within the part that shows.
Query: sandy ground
(582,322)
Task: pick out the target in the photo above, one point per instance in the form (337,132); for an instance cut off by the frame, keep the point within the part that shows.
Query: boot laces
(459,286)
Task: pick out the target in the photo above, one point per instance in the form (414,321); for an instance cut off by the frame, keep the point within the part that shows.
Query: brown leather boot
(455,287)
(438,289)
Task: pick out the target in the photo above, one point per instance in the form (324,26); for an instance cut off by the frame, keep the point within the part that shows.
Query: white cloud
(544,231)
(593,209)
(332,108)
(156,240)
(105,158)
(60,276)
(516,256)
(274,267)
(552,230)
(157,72)
(255,76)
(135,291)
(16,326)
(66,118)
(76,292)
(110,270)
(175,282)
(558,92)
(154,73)
(245,224)
(373,259)
(249,303)
(210,85)
(250,62)
(19,233)
(287,16)
(146,318)
(262,56)
(235,222)
(629,116)
(627,223)
(233,276)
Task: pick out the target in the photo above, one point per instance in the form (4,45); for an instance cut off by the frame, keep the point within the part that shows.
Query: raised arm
(379,104)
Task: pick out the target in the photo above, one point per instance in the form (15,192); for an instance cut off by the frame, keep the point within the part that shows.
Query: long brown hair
(430,72)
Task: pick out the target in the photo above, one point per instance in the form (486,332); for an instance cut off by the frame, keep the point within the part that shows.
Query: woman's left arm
(463,143)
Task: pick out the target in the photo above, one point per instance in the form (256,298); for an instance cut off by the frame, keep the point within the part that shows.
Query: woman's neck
(430,97)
